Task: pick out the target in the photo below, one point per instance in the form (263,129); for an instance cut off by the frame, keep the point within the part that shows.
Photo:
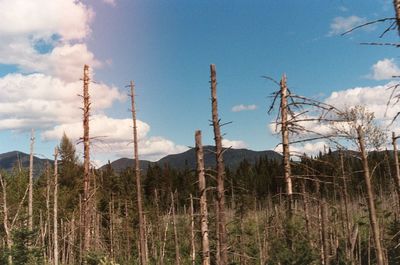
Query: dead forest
(341,206)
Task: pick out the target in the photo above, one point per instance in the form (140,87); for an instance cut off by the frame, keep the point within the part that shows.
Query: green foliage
(292,248)
(22,253)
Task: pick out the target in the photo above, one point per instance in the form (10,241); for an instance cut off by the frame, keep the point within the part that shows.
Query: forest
(338,207)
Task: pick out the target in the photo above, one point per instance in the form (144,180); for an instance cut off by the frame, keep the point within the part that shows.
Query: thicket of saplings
(330,214)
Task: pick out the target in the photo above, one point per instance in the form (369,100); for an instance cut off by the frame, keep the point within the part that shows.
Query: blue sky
(166,48)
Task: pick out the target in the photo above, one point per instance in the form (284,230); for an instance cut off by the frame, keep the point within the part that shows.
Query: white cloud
(340,25)
(43,18)
(45,40)
(236,144)
(115,136)
(44,101)
(242,107)
(308,148)
(384,69)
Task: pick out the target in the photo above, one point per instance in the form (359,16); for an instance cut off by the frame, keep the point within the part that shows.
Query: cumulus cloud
(237,144)
(44,101)
(343,24)
(242,107)
(384,69)
(115,135)
(308,148)
(49,51)
(42,18)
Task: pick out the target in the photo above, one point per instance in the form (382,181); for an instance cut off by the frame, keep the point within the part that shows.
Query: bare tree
(6,224)
(86,162)
(55,217)
(143,247)
(396,161)
(358,126)
(30,196)
(205,245)
(221,222)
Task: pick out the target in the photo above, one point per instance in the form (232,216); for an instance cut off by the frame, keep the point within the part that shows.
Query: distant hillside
(10,160)
(232,159)
(123,163)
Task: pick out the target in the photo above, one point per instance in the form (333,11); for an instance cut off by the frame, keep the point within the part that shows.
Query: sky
(166,48)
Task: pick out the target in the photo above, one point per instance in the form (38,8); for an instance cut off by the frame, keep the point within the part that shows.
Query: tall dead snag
(86,161)
(396,161)
(142,234)
(6,224)
(192,232)
(396,4)
(177,251)
(371,198)
(30,195)
(55,216)
(285,140)
(221,222)
(205,245)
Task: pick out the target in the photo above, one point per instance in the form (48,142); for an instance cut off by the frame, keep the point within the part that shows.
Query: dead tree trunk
(55,229)
(205,245)
(220,170)
(6,224)
(285,141)
(142,235)
(396,161)
(177,251)
(30,196)
(86,162)
(192,233)
(349,253)
(396,4)
(324,227)
(371,203)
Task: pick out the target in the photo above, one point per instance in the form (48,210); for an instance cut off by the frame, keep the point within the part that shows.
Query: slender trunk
(285,141)
(30,196)
(371,202)
(220,169)
(324,227)
(346,208)
(86,162)
(177,252)
(396,4)
(192,233)
(205,245)
(55,228)
(127,233)
(6,223)
(142,243)
(396,161)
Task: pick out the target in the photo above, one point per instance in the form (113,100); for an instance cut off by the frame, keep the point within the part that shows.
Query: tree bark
(6,223)
(220,170)
(396,4)
(285,141)
(142,243)
(370,197)
(30,196)
(86,162)
(396,161)
(177,251)
(55,217)
(205,245)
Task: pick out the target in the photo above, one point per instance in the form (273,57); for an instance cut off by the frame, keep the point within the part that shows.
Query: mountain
(13,159)
(232,159)
(123,163)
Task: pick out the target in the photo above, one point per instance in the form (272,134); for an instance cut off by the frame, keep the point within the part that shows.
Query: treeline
(257,230)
